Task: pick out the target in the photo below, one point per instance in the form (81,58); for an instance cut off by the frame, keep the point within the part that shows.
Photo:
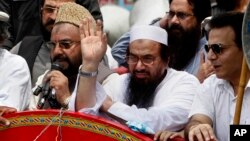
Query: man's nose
(139,65)
(211,55)
(53,15)
(174,19)
(57,50)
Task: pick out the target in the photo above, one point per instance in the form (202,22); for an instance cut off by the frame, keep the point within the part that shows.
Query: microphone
(48,94)
(46,90)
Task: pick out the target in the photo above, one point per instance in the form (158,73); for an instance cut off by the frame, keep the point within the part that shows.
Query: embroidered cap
(4,16)
(149,32)
(73,13)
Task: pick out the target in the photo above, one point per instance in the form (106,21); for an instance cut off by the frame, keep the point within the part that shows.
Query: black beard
(183,46)
(46,34)
(70,72)
(141,93)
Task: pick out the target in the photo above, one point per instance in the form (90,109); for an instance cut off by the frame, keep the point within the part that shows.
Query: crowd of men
(180,79)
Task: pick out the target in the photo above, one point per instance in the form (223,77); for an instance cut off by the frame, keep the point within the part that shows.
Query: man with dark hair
(184,19)
(214,106)
(33,48)
(25,18)
(152,94)
(221,6)
(185,40)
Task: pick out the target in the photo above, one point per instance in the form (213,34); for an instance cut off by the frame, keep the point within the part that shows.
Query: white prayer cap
(149,32)
(4,16)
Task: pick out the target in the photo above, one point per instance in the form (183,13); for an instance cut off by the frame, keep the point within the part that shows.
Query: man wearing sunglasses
(183,23)
(213,108)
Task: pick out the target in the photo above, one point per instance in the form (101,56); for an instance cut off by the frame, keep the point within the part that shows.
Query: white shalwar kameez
(15,81)
(170,108)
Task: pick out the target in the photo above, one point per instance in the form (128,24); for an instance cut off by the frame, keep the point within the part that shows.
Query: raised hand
(205,69)
(93,43)
(164,22)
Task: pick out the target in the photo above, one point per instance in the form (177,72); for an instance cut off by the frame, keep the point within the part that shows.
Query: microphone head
(56,66)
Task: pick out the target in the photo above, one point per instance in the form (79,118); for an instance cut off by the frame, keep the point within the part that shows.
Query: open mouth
(216,67)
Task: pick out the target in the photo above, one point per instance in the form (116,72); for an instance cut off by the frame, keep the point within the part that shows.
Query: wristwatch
(87,74)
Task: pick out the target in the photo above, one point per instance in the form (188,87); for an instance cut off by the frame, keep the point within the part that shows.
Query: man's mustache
(175,27)
(50,22)
(143,71)
(60,58)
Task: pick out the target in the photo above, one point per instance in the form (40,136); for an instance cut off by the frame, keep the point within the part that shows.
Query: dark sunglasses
(216,48)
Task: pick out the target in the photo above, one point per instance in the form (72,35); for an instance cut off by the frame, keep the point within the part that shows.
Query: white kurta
(15,82)
(171,106)
(217,101)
